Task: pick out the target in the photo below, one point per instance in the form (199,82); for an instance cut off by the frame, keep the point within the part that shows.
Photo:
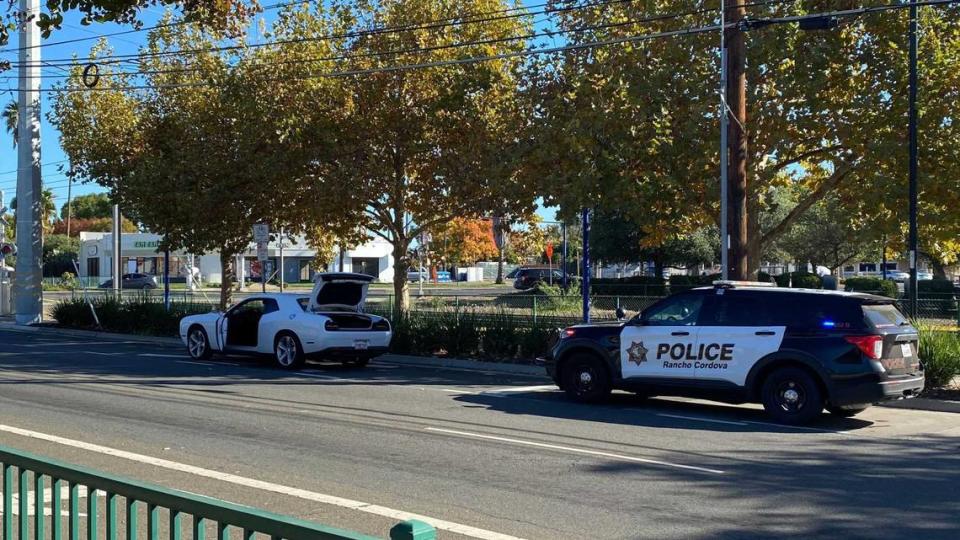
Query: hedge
(140,315)
(799,280)
(873,285)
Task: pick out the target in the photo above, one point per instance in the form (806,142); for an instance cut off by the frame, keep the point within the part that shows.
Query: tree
(223,14)
(94,205)
(59,254)
(825,236)
(48,209)
(633,127)
(464,241)
(198,156)
(417,147)
(11,119)
(93,225)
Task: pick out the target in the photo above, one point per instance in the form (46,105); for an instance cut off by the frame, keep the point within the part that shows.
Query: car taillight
(569,332)
(330,325)
(381,325)
(872,346)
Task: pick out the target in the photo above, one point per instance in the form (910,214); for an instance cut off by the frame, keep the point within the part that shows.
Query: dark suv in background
(527,278)
(133,281)
(795,351)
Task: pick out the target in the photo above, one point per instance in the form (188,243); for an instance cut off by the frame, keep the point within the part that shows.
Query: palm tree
(48,209)
(11,117)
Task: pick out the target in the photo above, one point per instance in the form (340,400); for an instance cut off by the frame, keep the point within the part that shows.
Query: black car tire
(847,411)
(585,378)
(791,396)
(198,344)
(287,351)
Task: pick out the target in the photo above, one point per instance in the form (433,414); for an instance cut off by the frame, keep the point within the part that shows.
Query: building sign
(143,244)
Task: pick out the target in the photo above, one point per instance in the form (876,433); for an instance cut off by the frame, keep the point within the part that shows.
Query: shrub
(141,315)
(940,354)
(873,285)
(799,280)
(633,285)
(935,288)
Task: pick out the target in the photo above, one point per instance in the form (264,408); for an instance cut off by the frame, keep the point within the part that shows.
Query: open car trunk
(339,292)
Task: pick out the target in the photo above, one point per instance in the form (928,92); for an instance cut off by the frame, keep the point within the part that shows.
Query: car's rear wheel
(287,352)
(198,346)
(847,411)
(790,395)
(585,379)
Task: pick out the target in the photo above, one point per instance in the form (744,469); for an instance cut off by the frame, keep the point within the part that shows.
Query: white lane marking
(538,388)
(574,450)
(157,355)
(397,515)
(98,353)
(71,343)
(697,419)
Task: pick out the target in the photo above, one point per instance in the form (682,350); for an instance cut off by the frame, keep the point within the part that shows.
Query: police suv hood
(339,291)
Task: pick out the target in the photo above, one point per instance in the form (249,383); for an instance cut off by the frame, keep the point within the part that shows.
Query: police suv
(795,351)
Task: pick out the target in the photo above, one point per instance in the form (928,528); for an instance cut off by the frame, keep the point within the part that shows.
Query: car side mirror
(621,314)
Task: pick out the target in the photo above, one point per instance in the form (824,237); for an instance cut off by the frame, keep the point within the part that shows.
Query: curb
(399,359)
(69,332)
(924,404)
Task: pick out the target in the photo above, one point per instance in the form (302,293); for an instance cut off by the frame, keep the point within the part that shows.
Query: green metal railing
(162,507)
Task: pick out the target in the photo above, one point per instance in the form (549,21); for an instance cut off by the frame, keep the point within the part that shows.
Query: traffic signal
(8,249)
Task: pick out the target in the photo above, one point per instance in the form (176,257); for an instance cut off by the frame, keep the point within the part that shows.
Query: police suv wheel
(848,411)
(198,346)
(585,379)
(287,352)
(791,396)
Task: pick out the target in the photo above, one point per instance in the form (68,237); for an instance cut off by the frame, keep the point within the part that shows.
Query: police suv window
(816,312)
(735,308)
(681,310)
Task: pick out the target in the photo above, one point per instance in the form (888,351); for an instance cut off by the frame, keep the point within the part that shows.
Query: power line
(429,25)
(534,35)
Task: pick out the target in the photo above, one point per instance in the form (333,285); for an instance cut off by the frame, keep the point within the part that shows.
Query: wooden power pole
(736,44)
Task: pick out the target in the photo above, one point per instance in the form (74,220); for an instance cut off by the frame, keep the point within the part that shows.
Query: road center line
(538,388)
(694,418)
(584,451)
(398,515)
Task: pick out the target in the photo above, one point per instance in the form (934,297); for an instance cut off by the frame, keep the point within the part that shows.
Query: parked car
(795,351)
(898,276)
(327,324)
(921,276)
(133,281)
(527,278)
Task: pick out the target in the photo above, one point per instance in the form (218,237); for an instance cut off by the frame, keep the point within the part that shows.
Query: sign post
(261,235)
(550,260)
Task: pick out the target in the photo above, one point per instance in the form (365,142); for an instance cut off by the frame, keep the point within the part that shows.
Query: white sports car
(327,324)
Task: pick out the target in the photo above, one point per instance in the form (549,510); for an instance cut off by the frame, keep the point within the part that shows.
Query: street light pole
(913,248)
(585,283)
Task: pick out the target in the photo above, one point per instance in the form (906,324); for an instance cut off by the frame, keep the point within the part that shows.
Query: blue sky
(52,157)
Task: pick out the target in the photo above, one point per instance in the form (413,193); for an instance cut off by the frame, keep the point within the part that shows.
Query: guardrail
(162,507)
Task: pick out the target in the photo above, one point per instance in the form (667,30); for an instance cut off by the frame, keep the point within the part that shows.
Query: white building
(138,252)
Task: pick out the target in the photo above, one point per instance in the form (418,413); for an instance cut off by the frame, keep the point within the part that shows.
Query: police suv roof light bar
(729,284)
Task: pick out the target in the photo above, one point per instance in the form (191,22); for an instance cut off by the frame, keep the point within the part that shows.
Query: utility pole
(69,203)
(736,79)
(29,275)
(914,165)
(115,239)
(585,283)
(724,153)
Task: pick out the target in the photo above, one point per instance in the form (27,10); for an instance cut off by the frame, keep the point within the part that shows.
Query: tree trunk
(500,266)
(343,251)
(401,286)
(939,271)
(227,278)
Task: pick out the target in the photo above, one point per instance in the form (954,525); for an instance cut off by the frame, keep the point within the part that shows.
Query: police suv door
(659,342)
(735,333)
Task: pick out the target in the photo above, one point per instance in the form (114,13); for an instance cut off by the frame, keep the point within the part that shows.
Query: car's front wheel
(287,352)
(790,395)
(198,346)
(585,379)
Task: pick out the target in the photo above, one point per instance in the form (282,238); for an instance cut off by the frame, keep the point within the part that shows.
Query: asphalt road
(482,455)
